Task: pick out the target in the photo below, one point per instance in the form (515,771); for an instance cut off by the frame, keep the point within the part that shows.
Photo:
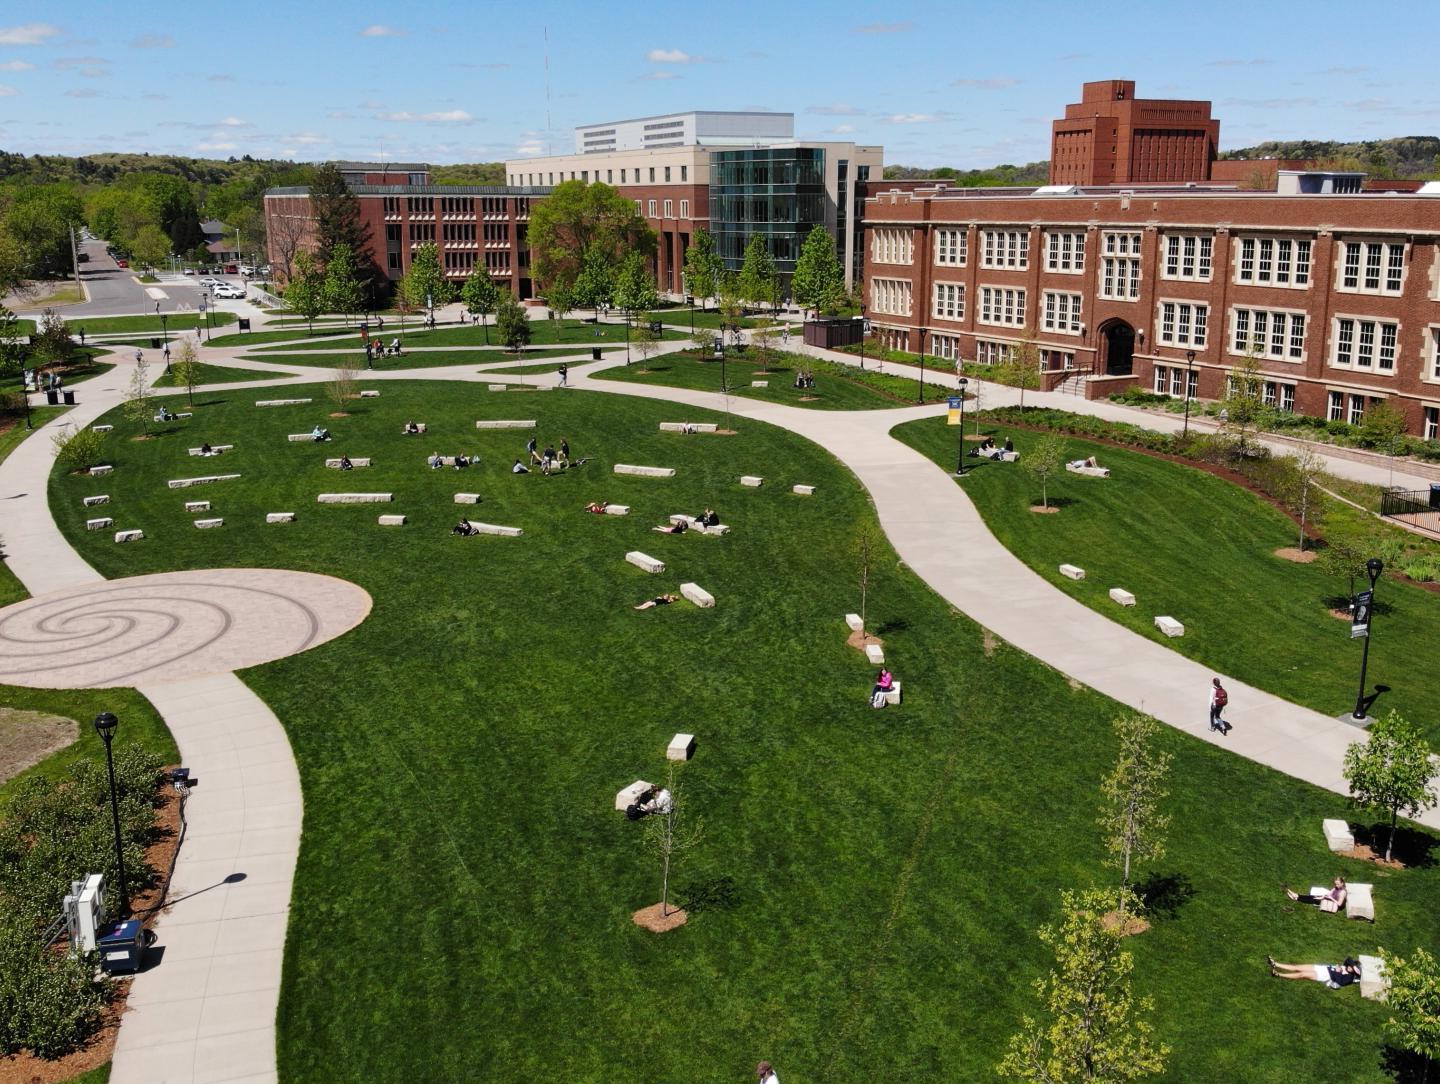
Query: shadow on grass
(1414,849)
(1165,893)
(895,624)
(1404,1066)
(717,894)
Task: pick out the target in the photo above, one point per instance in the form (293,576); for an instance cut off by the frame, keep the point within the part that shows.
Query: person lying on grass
(1332,975)
(464,527)
(680,526)
(1329,902)
(598,507)
(658,600)
(1091,462)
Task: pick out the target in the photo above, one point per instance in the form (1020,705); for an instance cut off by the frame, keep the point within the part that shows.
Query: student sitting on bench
(411,428)
(598,507)
(463,461)
(680,526)
(654,800)
(464,527)
(708,518)
(318,434)
(205,449)
(345,463)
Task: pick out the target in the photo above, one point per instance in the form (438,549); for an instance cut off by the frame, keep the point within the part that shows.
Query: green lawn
(256,338)
(867,893)
(219,374)
(542,333)
(11,435)
(837,387)
(176,321)
(707,318)
(1201,549)
(418,359)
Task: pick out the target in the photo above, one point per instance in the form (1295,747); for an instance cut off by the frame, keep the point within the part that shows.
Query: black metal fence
(1417,507)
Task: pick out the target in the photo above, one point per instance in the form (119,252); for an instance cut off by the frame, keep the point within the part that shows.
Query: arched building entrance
(1118,338)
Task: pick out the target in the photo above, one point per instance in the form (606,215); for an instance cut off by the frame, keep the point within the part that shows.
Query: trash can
(594,353)
(154,344)
(1434,495)
(52,396)
(69,397)
(122,947)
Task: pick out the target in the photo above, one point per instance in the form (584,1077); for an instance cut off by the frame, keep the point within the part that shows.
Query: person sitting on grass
(433,461)
(464,527)
(598,507)
(658,600)
(680,526)
(659,801)
(1329,902)
(205,449)
(411,429)
(462,461)
(519,468)
(345,463)
(1009,445)
(319,435)
(1332,975)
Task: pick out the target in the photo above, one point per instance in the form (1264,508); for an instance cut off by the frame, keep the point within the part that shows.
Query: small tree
(595,286)
(342,383)
(730,303)
(1382,427)
(137,406)
(703,267)
(1301,490)
(561,300)
(1093,1028)
(480,295)
(1414,1002)
(77,449)
(819,280)
(341,290)
(1244,400)
(511,323)
(1392,771)
(1341,558)
(1044,460)
(306,292)
(866,548)
(667,835)
(645,342)
(1133,828)
(426,279)
(635,290)
(52,341)
(1021,368)
(757,282)
(186,368)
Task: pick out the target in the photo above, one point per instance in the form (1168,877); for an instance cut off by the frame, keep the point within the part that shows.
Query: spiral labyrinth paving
(171,626)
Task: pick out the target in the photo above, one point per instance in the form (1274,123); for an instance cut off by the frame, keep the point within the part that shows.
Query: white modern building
(697,128)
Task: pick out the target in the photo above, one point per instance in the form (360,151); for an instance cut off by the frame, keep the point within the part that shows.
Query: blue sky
(963,84)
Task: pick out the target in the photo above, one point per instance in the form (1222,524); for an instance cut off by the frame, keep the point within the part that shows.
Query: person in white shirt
(659,801)
(765,1074)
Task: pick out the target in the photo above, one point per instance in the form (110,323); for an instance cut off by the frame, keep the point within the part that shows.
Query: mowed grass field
(542,333)
(1200,548)
(867,892)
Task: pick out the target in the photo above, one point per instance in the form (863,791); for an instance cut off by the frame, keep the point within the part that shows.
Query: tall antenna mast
(549,148)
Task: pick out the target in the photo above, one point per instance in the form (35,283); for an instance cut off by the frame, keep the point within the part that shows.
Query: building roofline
(689,113)
(382,167)
(424,190)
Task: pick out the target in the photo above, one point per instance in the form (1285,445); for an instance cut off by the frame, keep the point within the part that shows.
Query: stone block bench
(204,523)
(334,464)
(853,620)
(392,521)
(129,536)
(197,506)
(1359,900)
(681,747)
(617,509)
(695,525)
(497,387)
(102,428)
(282,402)
(698,595)
(875,653)
(279,517)
(1009,457)
(1072,572)
(370,393)
(300,438)
(215,449)
(355,498)
(1338,836)
(99,524)
(759,383)
(496,529)
(487,423)
(894,695)
(624,799)
(645,561)
(1169,626)
(645,472)
(804,491)
(1374,984)
(1121,596)
(467,498)
(102,469)
(1089,472)
(184,483)
(754,481)
(99,498)
(688,427)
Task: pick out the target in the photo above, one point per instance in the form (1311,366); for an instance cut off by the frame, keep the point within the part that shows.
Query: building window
(1335,411)
(1357,410)
(945,346)
(1057,359)
(1434,340)
(1372,267)
(1183,323)
(1188,256)
(993,353)
(1005,249)
(890,296)
(684,208)
(652,174)
(1430,430)
(420,232)
(949,301)
(653,205)
(684,173)
(639,207)
(669,208)
(667,174)
(392,205)
(950,247)
(1065,252)
(1062,312)
(1365,344)
(1273,261)
(1002,305)
(893,246)
(1280,396)
(1277,335)
(1120,267)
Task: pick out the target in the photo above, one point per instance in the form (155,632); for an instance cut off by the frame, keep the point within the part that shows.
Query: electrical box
(85,912)
(122,946)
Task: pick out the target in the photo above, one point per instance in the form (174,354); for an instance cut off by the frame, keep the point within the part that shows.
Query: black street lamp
(627,337)
(862,336)
(105,724)
(960,437)
(1366,599)
(1189,368)
(920,394)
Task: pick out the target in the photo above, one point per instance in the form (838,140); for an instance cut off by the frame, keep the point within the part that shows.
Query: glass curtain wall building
(776,192)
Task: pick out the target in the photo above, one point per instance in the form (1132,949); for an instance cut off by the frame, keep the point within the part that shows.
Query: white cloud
(832,110)
(339,114)
(216,146)
(660,75)
(529,148)
(1269,103)
(450,116)
(842,129)
(7,91)
(153,41)
(16,66)
(29,34)
(379,30)
(83,92)
(670,56)
(234,122)
(909,118)
(995,82)
(884,28)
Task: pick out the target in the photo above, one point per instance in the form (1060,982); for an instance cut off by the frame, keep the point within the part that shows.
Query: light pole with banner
(105,724)
(1361,616)
(1189,368)
(955,415)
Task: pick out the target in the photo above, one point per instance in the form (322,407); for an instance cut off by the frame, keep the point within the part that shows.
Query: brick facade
(1111,137)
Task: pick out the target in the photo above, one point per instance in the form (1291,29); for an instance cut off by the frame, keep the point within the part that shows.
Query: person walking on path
(1218,699)
(564,374)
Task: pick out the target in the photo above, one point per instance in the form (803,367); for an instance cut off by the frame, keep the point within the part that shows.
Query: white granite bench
(420,427)
(687,427)
(1009,457)
(853,620)
(362,461)
(99,524)
(645,561)
(215,449)
(370,393)
(698,595)
(1338,836)
(355,498)
(129,536)
(103,468)
(1090,472)
(1072,572)
(279,517)
(282,402)
(1169,626)
(617,509)
(300,438)
(99,498)
(197,506)
(624,799)
(102,428)
(681,747)
(695,525)
(1359,900)
(1122,596)
(392,521)
(488,423)
(645,472)
(184,414)
(804,491)
(894,695)
(496,529)
(759,383)
(1374,984)
(467,498)
(183,483)
(498,387)
(754,481)
(875,653)
(204,523)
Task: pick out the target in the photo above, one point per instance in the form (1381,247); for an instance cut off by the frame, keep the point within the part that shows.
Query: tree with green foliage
(186,369)
(667,834)
(137,405)
(1244,403)
(337,219)
(12,345)
(595,285)
(1043,460)
(1392,771)
(1300,489)
(703,267)
(561,302)
(77,449)
(305,293)
(51,343)
(512,323)
(39,218)
(635,290)
(341,290)
(819,280)
(1093,1028)
(426,282)
(1413,998)
(1021,367)
(758,283)
(480,294)
(150,246)
(1133,827)
(1383,428)
(578,219)
(645,342)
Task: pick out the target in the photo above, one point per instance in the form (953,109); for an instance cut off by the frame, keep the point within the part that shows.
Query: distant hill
(95,169)
(1404,156)
(469,173)
(996,176)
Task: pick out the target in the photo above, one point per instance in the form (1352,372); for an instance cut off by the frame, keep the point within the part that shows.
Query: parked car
(209,283)
(122,263)
(231,269)
(188,271)
(246,269)
(228,289)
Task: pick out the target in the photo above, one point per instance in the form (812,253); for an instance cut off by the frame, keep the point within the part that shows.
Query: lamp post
(960,436)
(920,394)
(627,337)
(1373,568)
(105,724)
(165,335)
(862,336)
(1189,368)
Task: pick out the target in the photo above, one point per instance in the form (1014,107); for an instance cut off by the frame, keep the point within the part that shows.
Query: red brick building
(1170,287)
(1111,137)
